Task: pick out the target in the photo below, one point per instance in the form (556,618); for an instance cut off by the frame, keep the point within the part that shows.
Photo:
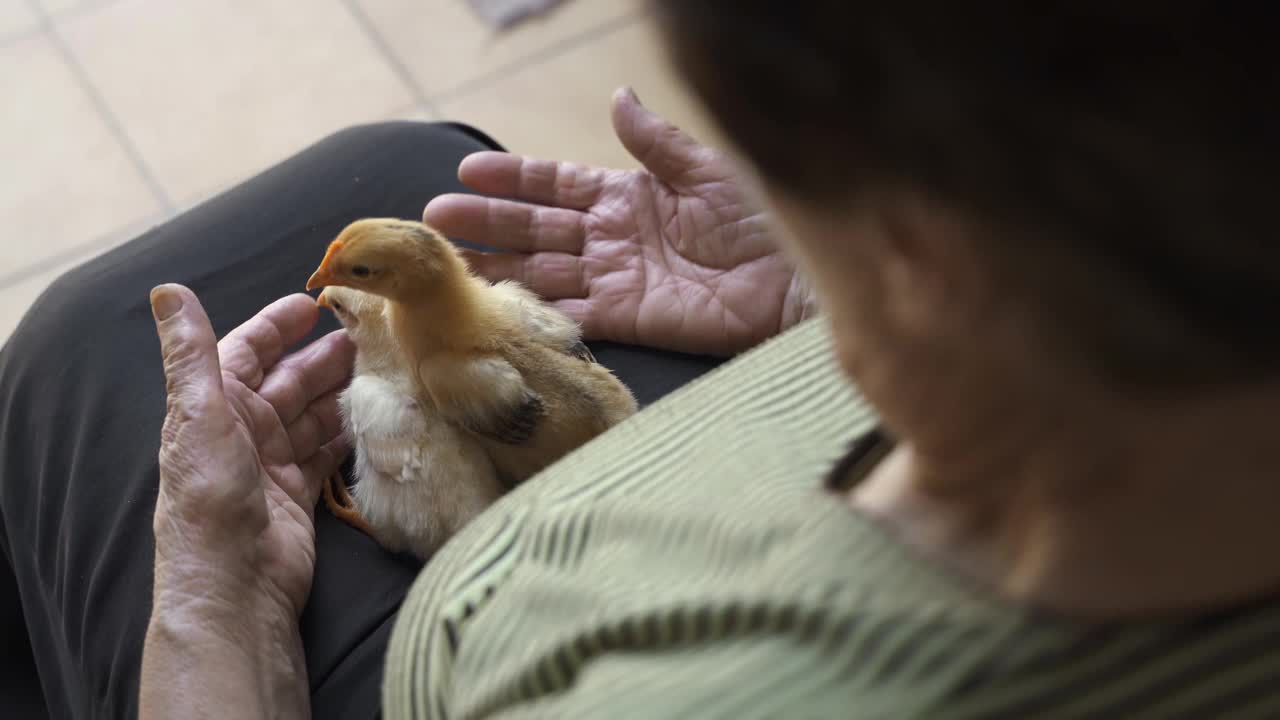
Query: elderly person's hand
(249,438)
(673,256)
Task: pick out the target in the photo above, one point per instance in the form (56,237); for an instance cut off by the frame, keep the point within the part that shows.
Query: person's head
(1090,179)
(389,257)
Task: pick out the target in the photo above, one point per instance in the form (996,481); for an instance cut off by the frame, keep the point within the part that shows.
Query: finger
(559,184)
(253,348)
(506,224)
(317,469)
(581,311)
(550,275)
(318,424)
(189,347)
(296,381)
(584,313)
(664,149)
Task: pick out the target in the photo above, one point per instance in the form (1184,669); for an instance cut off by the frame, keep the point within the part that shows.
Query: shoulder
(701,507)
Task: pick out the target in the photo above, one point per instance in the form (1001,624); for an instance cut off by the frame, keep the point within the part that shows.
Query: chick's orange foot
(339,502)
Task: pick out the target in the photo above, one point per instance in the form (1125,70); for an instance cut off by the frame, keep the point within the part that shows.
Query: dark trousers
(82,401)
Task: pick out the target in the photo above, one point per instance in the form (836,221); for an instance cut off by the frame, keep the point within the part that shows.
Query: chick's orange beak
(320,278)
(323,300)
(323,275)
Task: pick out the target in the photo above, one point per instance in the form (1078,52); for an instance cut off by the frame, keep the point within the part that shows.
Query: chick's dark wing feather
(513,425)
(580,350)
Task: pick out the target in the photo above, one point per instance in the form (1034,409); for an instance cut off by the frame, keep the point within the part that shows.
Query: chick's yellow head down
(388,257)
(352,307)
(361,313)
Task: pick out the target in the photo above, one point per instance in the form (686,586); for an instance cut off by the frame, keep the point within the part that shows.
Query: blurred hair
(1120,154)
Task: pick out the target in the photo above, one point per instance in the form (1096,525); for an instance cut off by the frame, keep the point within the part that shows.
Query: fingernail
(632,92)
(165,303)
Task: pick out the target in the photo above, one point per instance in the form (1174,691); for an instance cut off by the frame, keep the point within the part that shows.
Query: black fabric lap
(82,401)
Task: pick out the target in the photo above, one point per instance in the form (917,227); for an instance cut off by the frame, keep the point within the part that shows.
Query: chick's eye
(360,271)
(337,306)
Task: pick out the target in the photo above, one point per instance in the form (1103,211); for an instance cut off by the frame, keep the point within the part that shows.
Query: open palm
(249,437)
(672,256)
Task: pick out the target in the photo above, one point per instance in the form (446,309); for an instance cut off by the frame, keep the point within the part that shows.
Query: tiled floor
(117,114)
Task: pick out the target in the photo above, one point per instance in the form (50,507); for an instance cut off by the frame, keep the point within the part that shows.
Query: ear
(930,262)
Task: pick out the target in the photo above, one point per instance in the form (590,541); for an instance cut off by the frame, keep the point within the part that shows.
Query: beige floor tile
(64,180)
(406,113)
(559,109)
(212,91)
(16,18)
(58,7)
(446,46)
(412,113)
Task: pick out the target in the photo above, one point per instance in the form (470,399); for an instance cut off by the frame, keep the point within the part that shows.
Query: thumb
(664,149)
(188,345)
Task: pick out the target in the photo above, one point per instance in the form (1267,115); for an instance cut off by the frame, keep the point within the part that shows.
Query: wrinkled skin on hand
(249,436)
(673,255)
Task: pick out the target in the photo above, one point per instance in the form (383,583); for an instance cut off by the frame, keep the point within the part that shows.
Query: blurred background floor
(119,114)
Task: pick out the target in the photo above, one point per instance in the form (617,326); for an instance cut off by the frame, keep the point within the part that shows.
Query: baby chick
(494,359)
(419,479)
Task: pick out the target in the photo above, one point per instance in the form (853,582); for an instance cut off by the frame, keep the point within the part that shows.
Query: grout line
(81,251)
(113,123)
(572,42)
(389,56)
(81,8)
(18,36)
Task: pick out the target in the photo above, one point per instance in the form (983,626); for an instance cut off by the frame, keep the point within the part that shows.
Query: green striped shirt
(690,563)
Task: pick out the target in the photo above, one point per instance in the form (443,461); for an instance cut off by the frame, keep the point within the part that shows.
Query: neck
(1103,509)
(448,314)
(376,362)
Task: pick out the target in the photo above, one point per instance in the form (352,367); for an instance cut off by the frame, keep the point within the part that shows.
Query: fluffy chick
(493,358)
(419,479)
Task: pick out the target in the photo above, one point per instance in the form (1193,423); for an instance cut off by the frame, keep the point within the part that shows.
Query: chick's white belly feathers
(418,478)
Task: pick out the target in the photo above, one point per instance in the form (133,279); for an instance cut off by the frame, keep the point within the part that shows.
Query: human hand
(247,441)
(672,256)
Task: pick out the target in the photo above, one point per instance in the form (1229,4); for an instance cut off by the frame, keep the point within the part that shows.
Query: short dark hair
(1123,153)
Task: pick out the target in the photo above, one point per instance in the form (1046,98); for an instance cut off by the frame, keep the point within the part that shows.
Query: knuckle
(234,354)
(204,489)
(312,420)
(268,338)
(532,222)
(295,384)
(177,413)
(179,343)
(305,430)
(179,357)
